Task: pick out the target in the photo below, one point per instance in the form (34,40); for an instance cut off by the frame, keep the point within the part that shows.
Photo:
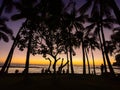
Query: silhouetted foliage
(5,32)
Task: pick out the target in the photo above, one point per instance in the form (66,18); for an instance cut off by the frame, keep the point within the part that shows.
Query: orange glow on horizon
(20,57)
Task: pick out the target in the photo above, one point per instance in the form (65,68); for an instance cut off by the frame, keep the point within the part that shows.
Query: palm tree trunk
(87,61)
(103,39)
(8,64)
(83,52)
(93,62)
(106,54)
(71,62)
(70,48)
(105,66)
(9,57)
(67,61)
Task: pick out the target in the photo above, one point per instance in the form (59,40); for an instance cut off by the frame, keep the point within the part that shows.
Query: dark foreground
(58,82)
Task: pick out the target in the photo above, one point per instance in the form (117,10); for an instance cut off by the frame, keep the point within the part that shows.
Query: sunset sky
(20,57)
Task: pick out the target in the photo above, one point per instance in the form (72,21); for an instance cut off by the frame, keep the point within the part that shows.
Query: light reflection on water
(37,69)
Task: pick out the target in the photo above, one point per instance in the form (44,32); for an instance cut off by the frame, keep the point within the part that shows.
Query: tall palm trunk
(93,62)
(67,61)
(104,61)
(71,62)
(101,46)
(103,39)
(9,57)
(106,54)
(83,52)
(70,48)
(87,61)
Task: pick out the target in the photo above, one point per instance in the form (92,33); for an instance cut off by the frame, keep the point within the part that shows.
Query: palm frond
(17,17)
(4,37)
(85,7)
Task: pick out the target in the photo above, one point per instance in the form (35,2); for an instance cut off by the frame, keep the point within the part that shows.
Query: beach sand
(58,82)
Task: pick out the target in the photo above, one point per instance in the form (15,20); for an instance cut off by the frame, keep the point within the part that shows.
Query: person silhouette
(102,69)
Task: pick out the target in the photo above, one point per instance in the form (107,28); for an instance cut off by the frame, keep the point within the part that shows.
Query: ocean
(33,68)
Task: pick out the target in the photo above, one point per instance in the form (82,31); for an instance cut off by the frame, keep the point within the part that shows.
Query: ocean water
(78,69)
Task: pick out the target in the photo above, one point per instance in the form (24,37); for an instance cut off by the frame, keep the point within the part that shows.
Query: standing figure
(102,69)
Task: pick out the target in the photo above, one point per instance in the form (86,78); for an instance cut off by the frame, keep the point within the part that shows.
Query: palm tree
(87,58)
(80,39)
(95,26)
(102,9)
(92,44)
(72,23)
(6,65)
(103,38)
(5,33)
(25,8)
(28,11)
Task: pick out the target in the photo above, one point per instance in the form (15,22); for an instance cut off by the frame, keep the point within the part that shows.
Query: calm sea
(37,68)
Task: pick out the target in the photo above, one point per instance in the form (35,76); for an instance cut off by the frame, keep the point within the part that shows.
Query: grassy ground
(58,82)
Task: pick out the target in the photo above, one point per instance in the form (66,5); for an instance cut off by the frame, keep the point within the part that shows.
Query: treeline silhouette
(52,27)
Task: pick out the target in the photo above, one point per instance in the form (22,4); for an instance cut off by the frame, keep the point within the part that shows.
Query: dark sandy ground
(58,82)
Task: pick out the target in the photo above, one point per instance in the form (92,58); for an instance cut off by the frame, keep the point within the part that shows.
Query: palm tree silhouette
(108,23)
(86,50)
(72,23)
(25,8)
(80,37)
(92,44)
(101,9)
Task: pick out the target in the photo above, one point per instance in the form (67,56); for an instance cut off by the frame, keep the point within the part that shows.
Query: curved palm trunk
(93,62)
(83,52)
(9,57)
(87,61)
(8,60)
